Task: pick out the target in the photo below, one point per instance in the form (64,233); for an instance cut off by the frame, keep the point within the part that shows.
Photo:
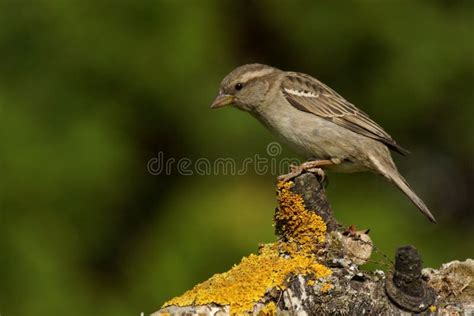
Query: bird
(316,122)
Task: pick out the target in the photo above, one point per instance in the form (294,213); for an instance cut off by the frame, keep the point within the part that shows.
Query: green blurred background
(91,90)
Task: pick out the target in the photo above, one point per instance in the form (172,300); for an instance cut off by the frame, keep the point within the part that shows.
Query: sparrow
(316,122)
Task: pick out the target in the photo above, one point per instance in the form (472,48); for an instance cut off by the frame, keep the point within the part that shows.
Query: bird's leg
(313,166)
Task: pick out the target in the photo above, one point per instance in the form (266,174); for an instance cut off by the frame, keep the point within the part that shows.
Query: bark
(407,289)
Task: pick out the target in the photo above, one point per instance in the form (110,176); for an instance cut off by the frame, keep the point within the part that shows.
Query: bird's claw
(294,172)
(309,166)
(319,172)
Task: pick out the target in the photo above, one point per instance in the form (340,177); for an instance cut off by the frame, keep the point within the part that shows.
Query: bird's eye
(239,86)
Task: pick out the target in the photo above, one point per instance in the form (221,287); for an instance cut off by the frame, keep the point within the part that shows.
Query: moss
(248,282)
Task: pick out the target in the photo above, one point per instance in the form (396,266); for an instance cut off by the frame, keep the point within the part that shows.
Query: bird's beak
(222,100)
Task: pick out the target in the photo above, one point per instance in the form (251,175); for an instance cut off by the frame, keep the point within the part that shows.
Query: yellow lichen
(246,283)
(310,282)
(325,287)
(432,308)
(301,229)
(268,310)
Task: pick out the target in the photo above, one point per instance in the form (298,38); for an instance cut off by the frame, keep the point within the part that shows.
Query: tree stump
(313,269)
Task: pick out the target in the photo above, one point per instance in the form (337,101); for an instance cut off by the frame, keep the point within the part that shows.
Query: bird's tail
(387,168)
(402,184)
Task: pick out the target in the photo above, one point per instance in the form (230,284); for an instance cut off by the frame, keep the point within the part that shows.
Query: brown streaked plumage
(328,104)
(316,121)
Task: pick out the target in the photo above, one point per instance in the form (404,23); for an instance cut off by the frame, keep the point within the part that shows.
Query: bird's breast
(314,137)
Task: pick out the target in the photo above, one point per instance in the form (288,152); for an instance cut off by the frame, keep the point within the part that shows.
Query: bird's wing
(310,95)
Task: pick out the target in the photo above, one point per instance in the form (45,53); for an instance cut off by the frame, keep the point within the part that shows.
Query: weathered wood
(347,290)
(312,191)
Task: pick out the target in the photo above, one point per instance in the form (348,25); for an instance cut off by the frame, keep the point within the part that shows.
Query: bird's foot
(309,166)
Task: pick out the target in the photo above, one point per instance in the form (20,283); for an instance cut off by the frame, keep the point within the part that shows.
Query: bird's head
(245,87)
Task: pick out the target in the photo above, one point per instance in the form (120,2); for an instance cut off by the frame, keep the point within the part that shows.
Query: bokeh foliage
(91,90)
